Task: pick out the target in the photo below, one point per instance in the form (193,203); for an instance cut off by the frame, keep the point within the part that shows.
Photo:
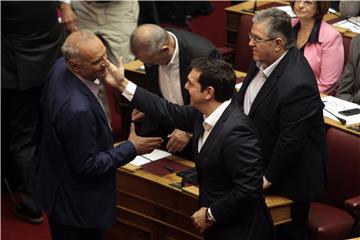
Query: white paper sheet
(146,158)
(350,25)
(288,10)
(157,154)
(334,105)
(139,160)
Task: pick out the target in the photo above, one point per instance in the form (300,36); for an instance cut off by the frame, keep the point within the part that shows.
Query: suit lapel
(270,83)
(249,77)
(93,100)
(152,80)
(183,67)
(197,132)
(214,132)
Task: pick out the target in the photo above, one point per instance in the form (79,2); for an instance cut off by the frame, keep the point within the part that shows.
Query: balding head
(75,42)
(148,38)
(85,55)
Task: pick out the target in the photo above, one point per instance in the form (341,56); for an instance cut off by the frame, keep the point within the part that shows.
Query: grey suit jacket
(349,84)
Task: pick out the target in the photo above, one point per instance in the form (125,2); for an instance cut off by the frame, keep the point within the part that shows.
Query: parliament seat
(243,53)
(337,213)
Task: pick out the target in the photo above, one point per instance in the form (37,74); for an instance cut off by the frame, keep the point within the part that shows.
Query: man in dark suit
(77,158)
(280,95)
(167,55)
(226,150)
(31,38)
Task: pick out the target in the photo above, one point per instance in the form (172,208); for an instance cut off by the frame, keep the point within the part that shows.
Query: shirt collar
(314,35)
(211,120)
(268,70)
(94,86)
(175,56)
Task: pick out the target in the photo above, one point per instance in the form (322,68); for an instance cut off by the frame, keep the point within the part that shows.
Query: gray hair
(71,46)
(149,38)
(278,25)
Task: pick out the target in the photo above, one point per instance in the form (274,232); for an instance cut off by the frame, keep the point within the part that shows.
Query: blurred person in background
(320,43)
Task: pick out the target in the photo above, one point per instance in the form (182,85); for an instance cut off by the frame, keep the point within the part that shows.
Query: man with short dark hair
(167,54)
(77,159)
(226,149)
(280,95)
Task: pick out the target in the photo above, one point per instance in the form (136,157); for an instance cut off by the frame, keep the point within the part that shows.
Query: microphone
(341,120)
(253,9)
(167,168)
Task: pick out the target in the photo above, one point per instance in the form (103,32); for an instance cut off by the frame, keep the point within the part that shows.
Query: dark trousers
(20,117)
(63,232)
(297,229)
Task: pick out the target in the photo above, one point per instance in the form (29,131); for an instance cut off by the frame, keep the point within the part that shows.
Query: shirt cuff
(266,183)
(210,215)
(129,91)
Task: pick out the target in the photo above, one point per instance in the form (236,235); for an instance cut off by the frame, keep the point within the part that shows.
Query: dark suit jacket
(191,46)
(228,167)
(31,38)
(288,114)
(77,160)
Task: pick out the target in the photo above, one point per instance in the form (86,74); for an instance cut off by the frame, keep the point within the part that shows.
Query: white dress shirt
(258,81)
(169,78)
(210,121)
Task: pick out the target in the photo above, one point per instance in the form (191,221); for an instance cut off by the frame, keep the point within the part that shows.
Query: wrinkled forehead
(92,48)
(260,29)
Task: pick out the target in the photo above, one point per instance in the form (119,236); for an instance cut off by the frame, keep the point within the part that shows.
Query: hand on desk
(137,116)
(178,140)
(199,220)
(143,144)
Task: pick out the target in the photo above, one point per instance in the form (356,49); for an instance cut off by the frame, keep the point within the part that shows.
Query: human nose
(252,42)
(186,85)
(301,3)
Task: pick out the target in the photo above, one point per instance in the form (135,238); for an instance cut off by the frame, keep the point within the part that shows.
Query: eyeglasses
(258,40)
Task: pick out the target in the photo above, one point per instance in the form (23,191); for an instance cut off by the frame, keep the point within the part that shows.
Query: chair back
(343,167)
(243,53)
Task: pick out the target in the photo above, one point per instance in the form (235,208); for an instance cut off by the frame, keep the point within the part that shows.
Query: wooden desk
(133,73)
(337,124)
(149,208)
(234,13)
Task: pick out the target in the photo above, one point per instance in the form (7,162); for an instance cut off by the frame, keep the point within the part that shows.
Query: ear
(74,66)
(210,93)
(279,44)
(164,48)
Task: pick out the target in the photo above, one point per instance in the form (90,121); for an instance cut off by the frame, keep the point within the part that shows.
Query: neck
(172,45)
(276,56)
(210,107)
(307,24)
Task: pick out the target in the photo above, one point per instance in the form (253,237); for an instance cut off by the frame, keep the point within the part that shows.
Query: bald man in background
(167,55)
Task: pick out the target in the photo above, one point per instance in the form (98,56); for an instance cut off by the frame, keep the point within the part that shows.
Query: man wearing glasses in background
(281,96)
